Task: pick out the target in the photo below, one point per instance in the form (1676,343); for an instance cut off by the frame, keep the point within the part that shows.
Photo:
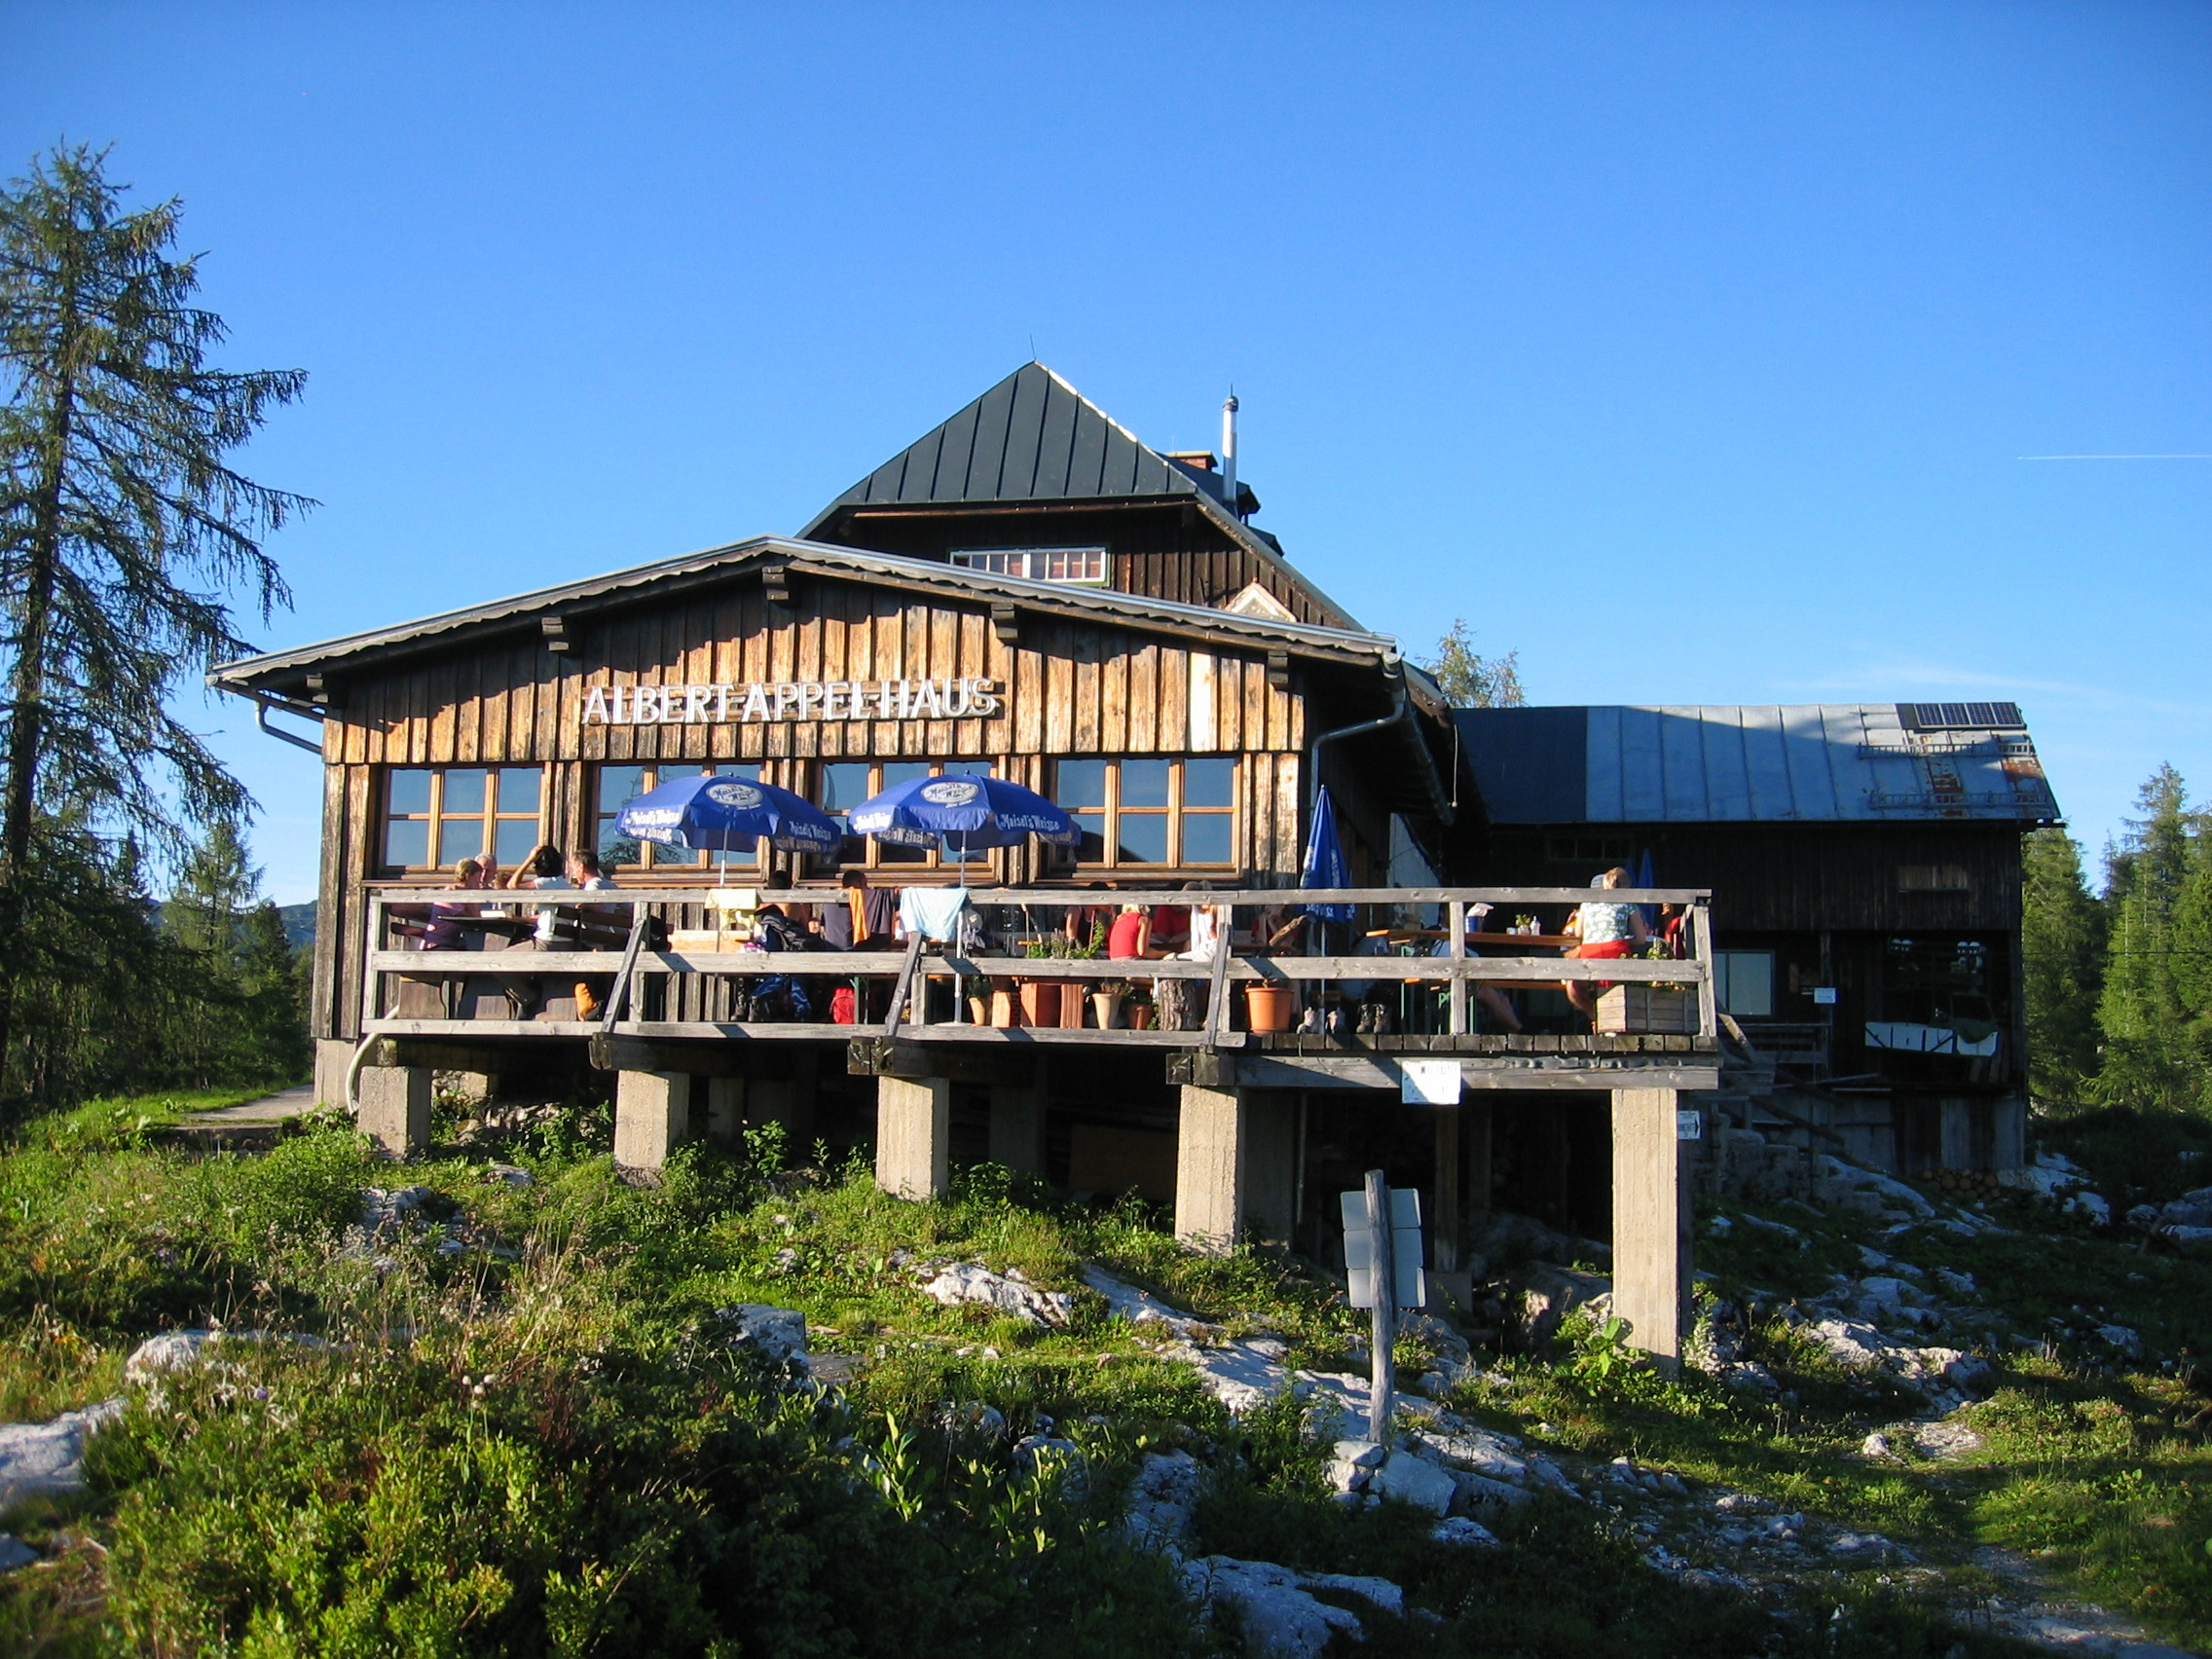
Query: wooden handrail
(1055,897)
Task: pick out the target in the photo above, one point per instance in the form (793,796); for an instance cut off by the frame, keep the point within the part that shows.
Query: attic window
(1079,565)
(1934,878)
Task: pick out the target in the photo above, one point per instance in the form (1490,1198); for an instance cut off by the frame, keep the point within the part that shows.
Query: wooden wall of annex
(1069,688)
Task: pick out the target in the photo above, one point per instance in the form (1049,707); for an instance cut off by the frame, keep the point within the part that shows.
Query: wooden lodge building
(1030,589)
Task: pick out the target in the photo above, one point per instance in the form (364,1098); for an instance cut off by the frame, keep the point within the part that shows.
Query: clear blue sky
(1687,350)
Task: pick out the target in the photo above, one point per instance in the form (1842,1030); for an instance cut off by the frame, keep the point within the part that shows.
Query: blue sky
(1687,350)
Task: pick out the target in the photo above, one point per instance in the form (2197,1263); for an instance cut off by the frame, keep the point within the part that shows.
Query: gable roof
(283,674)
(1032,437)
(1806,763)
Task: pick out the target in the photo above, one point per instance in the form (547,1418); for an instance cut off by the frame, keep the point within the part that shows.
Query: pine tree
(1470,681)
(121,527)
(2149,1057)
(272,1043)
(2062,938)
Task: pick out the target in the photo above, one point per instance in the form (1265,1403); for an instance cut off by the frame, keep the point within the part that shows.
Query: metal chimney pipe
(1228,453)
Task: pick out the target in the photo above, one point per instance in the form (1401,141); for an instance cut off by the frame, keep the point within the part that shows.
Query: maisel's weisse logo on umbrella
(743,797)
(950,792)
(970,698)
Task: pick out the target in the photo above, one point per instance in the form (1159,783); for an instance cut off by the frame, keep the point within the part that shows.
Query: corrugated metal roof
(1722,763)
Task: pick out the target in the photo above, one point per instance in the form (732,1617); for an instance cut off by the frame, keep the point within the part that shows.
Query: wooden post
(1456,918)
(1445,1223)
(1701,935)
(1651,1224)
(1382,1382)
(1018,1126)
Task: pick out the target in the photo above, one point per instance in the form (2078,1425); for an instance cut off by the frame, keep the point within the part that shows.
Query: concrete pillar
(652,1116)
(396,1108)
(1018,1127)
(914,1136)
(1236,1167)
(1651,1223)
(726,1110)
(1446,1201)
(332,1057)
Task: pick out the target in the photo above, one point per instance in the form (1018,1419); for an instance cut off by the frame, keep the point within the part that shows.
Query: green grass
(555,1450)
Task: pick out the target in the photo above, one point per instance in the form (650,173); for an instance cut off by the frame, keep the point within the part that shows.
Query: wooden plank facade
(1065,687)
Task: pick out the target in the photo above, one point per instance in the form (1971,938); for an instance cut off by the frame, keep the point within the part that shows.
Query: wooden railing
(625,959)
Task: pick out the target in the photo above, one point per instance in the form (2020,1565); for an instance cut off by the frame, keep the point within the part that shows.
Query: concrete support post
(1651,1223)
(1445,1223)
(1018,1127)
(332,1057)
(726,1110)
(652,1116)
(1236,1167)
(396,1108)
(914,1136)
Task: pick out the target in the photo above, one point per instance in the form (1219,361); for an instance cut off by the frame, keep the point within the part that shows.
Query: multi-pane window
(1742,982)
(620,784)
(1038,564)
(436,816)
(846,784)
(1141,811)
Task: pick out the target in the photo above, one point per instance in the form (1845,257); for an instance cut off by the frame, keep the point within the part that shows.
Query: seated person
(1490,996)
(1607,932)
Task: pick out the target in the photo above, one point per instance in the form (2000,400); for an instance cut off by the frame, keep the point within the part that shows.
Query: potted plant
(975,996)
(1140,1009)
(1648,1007)
(1269,1005)
(1106,1003)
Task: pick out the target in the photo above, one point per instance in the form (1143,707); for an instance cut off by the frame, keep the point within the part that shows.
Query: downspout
(1401,709)
(263,703)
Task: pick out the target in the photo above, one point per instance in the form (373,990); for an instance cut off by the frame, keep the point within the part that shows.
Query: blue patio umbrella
(1644,878)
(963,812)
(710,814)
(1325,860)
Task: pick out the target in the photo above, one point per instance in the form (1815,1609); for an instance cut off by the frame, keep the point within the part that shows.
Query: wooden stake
(1383,1383)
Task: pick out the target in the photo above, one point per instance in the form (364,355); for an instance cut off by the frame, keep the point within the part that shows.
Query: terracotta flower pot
(1040,1002)
(978,1010)
(1141,1016)
(1269,1006)
(1004,1010)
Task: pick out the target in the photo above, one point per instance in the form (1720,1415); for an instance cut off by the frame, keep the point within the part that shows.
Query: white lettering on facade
(752,703)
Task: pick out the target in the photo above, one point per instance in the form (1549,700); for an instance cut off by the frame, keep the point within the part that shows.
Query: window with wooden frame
(620,784)
(842,784)
(1082,565)
(436,816)
(1146,812)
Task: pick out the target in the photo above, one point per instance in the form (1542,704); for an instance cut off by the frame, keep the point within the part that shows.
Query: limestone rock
(1141,1307)
(14,1553)
(1543,1294)
(778,1335)
(1415,1480)
(1459,1530)
(45,1460)
(1162,1501)
(1477,1449)
(1009,1292)
(1280,1616)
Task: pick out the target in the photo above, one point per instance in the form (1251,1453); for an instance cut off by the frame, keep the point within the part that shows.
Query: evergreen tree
(1470,681)
(2150,1059)
(273,1032)
(2062,938)
(121,529)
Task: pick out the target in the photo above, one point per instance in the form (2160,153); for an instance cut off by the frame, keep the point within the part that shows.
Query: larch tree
(2062,939)
(1469,680)
(123,528)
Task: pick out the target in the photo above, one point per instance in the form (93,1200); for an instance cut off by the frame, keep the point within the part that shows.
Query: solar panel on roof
(1959,717)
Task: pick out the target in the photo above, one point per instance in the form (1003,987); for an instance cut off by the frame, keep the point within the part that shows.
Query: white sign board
(1823,995)
(1411,1289)
(1690,1125)
(1429,1082)
(970,698)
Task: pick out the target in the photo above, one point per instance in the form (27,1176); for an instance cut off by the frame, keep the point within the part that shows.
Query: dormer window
(1086,565)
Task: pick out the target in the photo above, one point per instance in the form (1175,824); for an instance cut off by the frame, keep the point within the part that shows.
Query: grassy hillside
(519,1424)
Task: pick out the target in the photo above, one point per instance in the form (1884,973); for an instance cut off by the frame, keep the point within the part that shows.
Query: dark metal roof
(1807,764)
(1032,437)
(284,671)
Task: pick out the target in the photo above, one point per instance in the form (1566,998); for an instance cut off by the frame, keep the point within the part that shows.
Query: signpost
(1383,1268)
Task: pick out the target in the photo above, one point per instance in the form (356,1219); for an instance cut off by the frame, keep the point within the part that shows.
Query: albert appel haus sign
(972,698)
